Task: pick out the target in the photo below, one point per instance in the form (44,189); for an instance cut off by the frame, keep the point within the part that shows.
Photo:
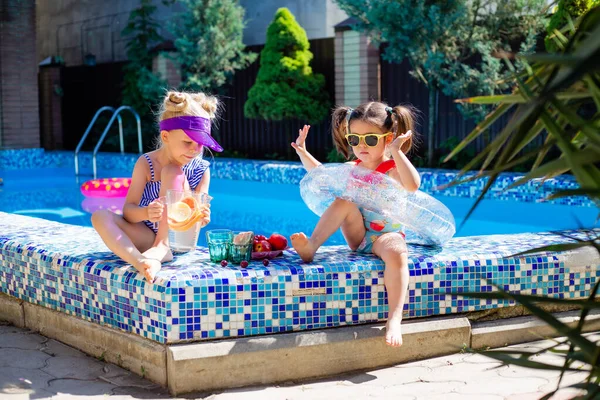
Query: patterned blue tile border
(67,268)
(292,172)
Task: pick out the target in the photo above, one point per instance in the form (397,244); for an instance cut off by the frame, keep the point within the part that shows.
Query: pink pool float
(106,188)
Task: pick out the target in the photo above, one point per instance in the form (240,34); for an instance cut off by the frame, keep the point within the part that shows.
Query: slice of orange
(180,211)
(190,201)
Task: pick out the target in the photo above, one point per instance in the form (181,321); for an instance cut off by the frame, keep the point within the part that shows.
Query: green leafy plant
(286,87)
(556,97)
(142,88)
(209,43)
(451,44)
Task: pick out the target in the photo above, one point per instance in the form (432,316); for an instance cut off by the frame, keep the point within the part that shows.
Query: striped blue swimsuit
(194,170)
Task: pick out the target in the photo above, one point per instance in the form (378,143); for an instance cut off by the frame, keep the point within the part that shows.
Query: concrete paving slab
(73,367)
(81,387)
(24,359)
(18,340)
(141,356)
(462,396)
(458,371)
(394,375)
(6,327)
(497,385)
(23,381)
(424,389)
(53,347)
(39,394)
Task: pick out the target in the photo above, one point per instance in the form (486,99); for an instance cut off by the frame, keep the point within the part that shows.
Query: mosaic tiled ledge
(292,172)
(67,268)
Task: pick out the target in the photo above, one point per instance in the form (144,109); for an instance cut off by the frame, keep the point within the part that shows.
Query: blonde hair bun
(178,104)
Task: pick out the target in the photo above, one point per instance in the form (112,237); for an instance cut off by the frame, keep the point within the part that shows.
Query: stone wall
(19,111)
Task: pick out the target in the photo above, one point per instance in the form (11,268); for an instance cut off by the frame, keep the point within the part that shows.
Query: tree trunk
(432,125)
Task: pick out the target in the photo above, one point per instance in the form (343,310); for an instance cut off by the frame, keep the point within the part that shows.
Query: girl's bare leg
(341,213)
(127,241)
(391,248)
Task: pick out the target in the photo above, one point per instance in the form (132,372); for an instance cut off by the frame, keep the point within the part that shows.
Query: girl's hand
(399,141)
(205,220)
(155,210)
(300,145)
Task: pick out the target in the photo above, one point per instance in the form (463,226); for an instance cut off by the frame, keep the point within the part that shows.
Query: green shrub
(286,87)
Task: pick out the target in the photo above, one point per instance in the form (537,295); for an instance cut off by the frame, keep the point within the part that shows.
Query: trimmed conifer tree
(286,87)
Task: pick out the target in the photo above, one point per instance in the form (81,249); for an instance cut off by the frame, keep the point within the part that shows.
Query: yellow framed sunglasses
(370,139)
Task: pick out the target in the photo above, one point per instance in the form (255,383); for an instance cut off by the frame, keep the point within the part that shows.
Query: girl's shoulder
(144,161)
(201,163)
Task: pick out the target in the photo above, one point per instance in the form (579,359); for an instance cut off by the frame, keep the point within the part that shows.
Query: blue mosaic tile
(67,268)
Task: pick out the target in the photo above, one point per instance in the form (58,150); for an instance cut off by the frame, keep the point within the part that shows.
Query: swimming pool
(275,207)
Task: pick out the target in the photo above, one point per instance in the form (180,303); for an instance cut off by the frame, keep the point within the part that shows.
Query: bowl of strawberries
(268,248)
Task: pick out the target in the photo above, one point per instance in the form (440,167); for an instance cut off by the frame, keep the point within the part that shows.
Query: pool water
(266,208)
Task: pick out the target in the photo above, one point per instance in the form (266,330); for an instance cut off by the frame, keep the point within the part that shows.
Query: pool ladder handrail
(103,136)
(89,128)
(115,115)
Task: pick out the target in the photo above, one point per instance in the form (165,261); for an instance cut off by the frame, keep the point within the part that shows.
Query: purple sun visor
(197,128)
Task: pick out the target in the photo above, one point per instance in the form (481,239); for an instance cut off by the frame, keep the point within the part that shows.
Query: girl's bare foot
(149,267)
(160,252)
(393,332)
(303,246)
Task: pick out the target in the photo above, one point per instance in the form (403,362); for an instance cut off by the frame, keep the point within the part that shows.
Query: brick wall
(19,112)
(166,69)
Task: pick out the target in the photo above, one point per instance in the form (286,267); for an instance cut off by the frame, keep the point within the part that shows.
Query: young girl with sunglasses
(379,137)
(185,120)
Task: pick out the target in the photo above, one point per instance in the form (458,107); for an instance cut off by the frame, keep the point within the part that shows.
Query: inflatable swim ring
(426,220)
(108,187)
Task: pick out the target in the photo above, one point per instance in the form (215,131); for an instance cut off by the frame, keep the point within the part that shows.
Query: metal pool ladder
(115,115)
